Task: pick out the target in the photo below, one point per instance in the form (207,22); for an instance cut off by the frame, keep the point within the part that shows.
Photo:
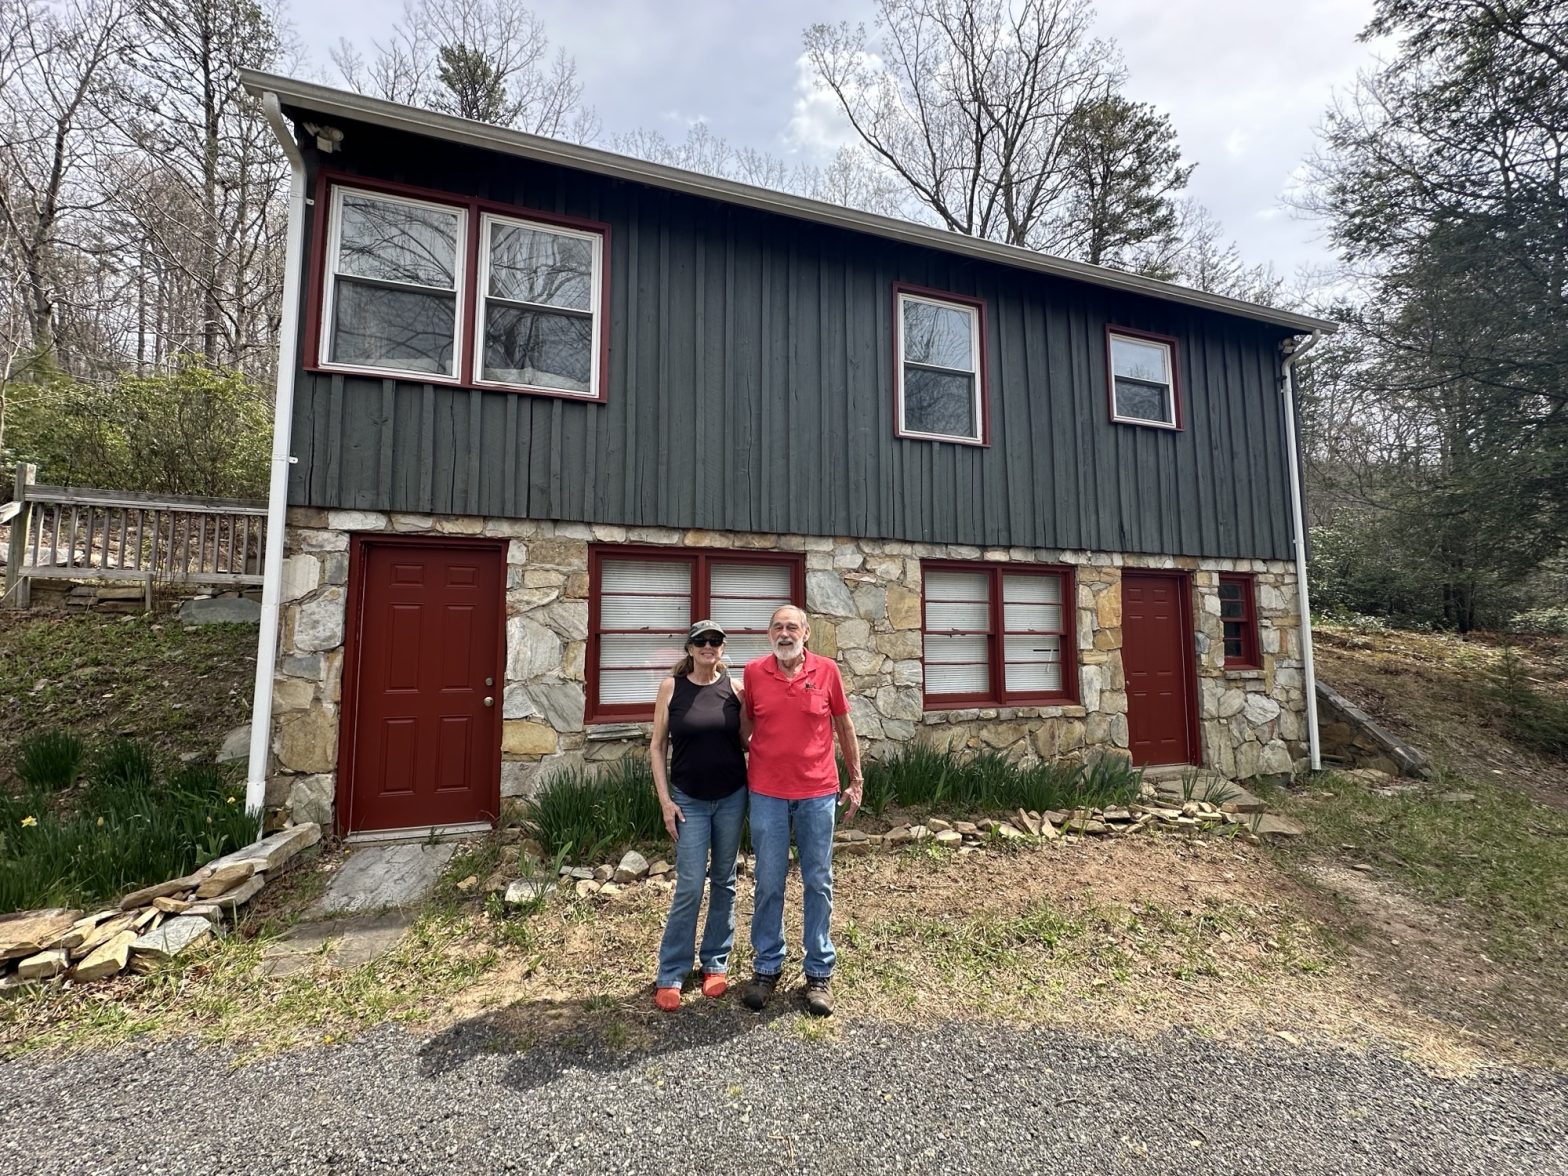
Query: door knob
(489,701)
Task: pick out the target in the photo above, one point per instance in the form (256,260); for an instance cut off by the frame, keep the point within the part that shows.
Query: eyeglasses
(706,639)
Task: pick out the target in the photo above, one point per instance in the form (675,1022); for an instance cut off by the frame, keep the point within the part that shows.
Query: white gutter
(278,488)
(1296,349)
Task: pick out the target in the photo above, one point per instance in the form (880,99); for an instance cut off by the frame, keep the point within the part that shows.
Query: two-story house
(540,407)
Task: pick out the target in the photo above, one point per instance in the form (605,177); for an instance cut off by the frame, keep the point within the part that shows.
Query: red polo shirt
(792,727)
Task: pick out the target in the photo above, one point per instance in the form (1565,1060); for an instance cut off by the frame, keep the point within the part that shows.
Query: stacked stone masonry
(864,600)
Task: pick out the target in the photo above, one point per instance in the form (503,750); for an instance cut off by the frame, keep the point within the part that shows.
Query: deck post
(18,589)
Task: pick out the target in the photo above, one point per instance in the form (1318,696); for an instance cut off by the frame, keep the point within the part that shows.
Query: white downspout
(1293,354)
(278,489)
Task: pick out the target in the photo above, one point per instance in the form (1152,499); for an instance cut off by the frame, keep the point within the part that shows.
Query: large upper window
(1143,379)
(940,377)
(644,602)
(393,284)
(458,293)
(997,636)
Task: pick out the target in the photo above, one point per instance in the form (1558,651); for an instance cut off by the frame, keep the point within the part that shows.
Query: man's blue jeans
(705,850)
(771,820)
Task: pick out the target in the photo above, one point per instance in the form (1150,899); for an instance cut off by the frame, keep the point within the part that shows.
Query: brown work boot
(759,991)
(819,996)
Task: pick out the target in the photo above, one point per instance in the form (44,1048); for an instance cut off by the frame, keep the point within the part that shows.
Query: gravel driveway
(718,1093)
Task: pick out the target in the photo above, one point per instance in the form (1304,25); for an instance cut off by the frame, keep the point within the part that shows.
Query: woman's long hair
(686,665)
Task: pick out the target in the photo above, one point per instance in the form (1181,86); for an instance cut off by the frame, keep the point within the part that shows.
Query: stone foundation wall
(864,600)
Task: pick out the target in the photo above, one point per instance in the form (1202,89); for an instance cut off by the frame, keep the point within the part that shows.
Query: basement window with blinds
(997,637)
(642,605)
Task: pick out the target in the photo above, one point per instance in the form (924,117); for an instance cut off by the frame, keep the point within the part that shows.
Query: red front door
(1157,658)
(421,692)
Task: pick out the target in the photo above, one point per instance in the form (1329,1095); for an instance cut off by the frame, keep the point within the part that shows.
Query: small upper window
(1239,615)
(540,288)
(394,272)
(1143,380)
(941,393)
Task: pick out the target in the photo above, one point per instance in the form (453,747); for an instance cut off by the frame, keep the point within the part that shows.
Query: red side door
(421,696)
(1158,660)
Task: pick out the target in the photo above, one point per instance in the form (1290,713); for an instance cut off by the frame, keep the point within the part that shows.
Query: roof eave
(344,104)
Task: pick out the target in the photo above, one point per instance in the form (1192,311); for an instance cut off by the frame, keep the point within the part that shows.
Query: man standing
(795,703)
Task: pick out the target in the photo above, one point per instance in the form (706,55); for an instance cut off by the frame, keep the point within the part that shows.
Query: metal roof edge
(411,119)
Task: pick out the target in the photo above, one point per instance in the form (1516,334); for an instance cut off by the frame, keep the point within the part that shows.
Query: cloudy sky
(1245,81)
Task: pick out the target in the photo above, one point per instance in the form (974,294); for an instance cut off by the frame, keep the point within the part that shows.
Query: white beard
(788,650)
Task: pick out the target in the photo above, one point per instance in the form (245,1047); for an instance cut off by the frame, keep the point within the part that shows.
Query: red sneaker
(714,984)
(668,999)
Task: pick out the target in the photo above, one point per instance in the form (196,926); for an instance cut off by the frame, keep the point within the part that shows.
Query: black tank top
(708,763)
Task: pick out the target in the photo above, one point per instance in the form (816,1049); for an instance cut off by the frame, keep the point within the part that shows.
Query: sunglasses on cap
(706,639)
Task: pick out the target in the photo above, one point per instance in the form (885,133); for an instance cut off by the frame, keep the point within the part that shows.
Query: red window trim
(468,299)
(981,361)
(700,588)
(998,694)
(1250,658)
(1111,329)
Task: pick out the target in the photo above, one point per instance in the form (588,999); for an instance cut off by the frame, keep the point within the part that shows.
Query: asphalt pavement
(725,1092)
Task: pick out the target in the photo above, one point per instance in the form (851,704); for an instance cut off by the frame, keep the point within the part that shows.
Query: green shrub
(49,761)
(597,811)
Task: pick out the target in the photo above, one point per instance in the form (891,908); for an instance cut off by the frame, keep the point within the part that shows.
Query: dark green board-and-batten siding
(750,388)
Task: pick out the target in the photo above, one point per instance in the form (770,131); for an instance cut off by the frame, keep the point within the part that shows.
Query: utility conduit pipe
(1294,350)
(278,487)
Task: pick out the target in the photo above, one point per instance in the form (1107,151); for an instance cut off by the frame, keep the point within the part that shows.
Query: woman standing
(703,795)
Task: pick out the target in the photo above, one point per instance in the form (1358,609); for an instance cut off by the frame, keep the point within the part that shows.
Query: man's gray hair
(794,608)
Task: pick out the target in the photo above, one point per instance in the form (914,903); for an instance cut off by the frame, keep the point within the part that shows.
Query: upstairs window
(541,288)
(393,280)
(940,378)
(1143,379)
(1239,615)
(461,292)
(996,637)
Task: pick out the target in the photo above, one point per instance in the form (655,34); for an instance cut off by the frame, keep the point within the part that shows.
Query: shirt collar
(807,666)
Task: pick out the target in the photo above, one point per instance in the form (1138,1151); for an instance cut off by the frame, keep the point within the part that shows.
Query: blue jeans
(771,820)
(705,849)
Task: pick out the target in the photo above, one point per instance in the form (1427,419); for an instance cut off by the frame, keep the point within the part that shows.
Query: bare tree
(203,178)
(488,60)
(971,103)
(54,62)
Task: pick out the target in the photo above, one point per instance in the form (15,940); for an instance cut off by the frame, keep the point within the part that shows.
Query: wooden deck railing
(68,533)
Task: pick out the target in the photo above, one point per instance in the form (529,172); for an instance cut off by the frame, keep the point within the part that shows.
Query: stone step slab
(43,966)
(143,897)
(107,959)
(172,938)
(27,933)
(273,851)
(103,932)
(230,901)
(224,878)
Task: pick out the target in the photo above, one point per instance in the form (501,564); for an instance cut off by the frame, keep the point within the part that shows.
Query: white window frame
(978,372)
(329,286)
(1169,351)
(481,302)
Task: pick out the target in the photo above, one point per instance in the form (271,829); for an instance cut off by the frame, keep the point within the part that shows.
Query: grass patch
(1502,855)
(178,687)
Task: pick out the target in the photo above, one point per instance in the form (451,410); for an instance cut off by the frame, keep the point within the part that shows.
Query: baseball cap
(706,627)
